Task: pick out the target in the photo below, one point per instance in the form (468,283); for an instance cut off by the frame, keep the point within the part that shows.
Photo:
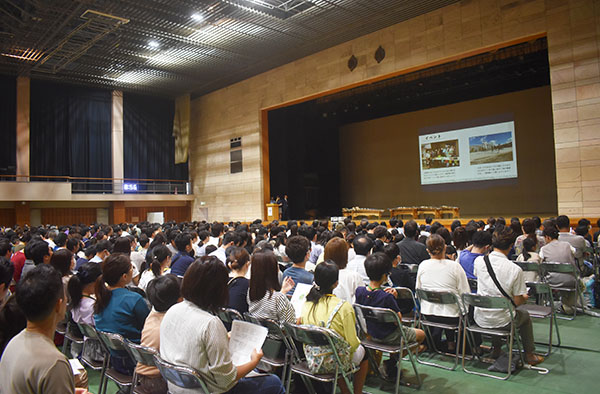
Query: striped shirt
(274,306)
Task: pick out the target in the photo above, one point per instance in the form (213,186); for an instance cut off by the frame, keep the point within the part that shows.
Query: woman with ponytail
(324,309)
(529,246)
(529,231)
(118,310)
(161,261)
(238,262)
(82,300)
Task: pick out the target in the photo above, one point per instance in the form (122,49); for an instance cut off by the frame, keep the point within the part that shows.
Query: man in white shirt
(362,246)
(229,240)
(576,241)
(510,277)
(216,232)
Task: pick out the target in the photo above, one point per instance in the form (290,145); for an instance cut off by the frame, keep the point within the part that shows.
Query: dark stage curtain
(148,142)
(70,131)
(8,125)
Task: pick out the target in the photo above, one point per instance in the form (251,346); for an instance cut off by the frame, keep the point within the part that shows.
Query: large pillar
(117,212)
(22,213)
(23,128)
(117,141)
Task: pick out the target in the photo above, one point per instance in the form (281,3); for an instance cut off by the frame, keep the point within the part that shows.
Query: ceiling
(172,47)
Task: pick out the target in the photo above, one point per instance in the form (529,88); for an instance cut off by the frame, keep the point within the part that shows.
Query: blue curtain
(8,125)
(70,130)
(148,142)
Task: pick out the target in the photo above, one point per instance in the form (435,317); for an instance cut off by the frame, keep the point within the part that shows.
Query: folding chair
(90,334)
(180,376)
(273,345)
(442,298)
(384,315)
(564,268)
(404,293)
(228,315)
(142,355)
(530,266)
(316,336)
(544,310)
(72,335)
(473,285)
(115,343)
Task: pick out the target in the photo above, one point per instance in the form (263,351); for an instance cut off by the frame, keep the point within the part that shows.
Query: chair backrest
(87,330)
(412,268)
(114,342)
(540,288)
(308,335)
(437,297)
(487,302)
(273,327)
(276,338)
(142,354)
(565,268)
(472,284)
(528,266)
(404,293)
(228,315)
(179,375)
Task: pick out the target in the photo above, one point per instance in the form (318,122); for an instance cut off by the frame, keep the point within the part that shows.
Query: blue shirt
(180,263)
(379,299)
(467,259)
(80,261)
(125,314)
(298,275)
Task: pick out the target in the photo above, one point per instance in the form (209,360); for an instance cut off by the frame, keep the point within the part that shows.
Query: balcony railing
(80,185)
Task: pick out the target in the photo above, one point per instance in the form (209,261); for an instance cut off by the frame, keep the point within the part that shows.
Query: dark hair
(73,243)
(238,257)
(326,275)
(581,230)
(563,222)
(380,231)
(61,239)
(87,273)
(444,233)
(410,229)
(143,240)
(38,291)
(216,229)
(122,245)
(392,251)
(296,248)
(209,249)
(7,269)
(36,250)
(529,245)
(5,247)
(362,245)
(101,246)
(158,255)
(482,238)
(205,284)
(460,237)
(163,292)
(503,238)
(263,275)
(12,321)
(229,237)
(114,267)
(377,265)
(61,260)
(182,241)
(436,244)
(336,250)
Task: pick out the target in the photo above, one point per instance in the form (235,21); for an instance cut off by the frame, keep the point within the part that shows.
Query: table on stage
(357,211)
(437,212)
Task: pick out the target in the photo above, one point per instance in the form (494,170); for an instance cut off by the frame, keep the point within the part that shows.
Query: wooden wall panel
(7,217)
(138,214)
(68,216)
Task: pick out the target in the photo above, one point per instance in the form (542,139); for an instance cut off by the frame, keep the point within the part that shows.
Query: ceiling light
(197,17)
(153,44)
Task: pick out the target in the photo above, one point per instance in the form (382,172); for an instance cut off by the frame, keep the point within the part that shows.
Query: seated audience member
(229,240)
(412,251)
(89,252)
(362,247)
(81,293)
(117,309)
(163,292)
(216,232)
(460,239)
(529,231)
(322,306)
(315,249)
(597,233)
(510,277)
(482,240)
(238,262)
(557,251)
(400,276)
(103,249)
(37,252)
(64,262)
(529,247)
(12,320)
(7,269)
(182,260)
(31,363)
(266,298)
(577,241)
(441,274)
(336,250)
(201,341)
(123,246)
(161,261)
(209,249)
(583,231)
(298,250)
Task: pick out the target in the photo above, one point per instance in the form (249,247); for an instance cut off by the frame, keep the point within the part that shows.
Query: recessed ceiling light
(197,17)
(153,44)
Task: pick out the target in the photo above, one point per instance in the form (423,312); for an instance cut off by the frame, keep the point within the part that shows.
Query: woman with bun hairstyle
(161,260)
(118,310)
(238,262)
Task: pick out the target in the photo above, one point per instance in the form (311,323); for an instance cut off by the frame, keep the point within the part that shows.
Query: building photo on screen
(483,152)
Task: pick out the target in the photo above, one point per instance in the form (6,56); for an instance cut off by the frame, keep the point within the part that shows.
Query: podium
(272,212)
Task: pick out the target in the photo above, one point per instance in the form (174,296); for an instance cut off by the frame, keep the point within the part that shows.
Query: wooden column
(22,213)
(23,93)
(117,141)
(117,212)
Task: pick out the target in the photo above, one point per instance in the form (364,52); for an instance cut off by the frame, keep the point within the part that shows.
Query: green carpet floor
(573,368)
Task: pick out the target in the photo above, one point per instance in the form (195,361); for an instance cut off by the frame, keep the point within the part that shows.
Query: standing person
(510,278)
(31,360)
(285,208)
(191,334)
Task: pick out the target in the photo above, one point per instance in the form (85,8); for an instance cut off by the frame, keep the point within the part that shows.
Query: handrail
(96,179)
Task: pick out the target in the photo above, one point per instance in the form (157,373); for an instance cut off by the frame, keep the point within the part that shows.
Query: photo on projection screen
(470,154)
